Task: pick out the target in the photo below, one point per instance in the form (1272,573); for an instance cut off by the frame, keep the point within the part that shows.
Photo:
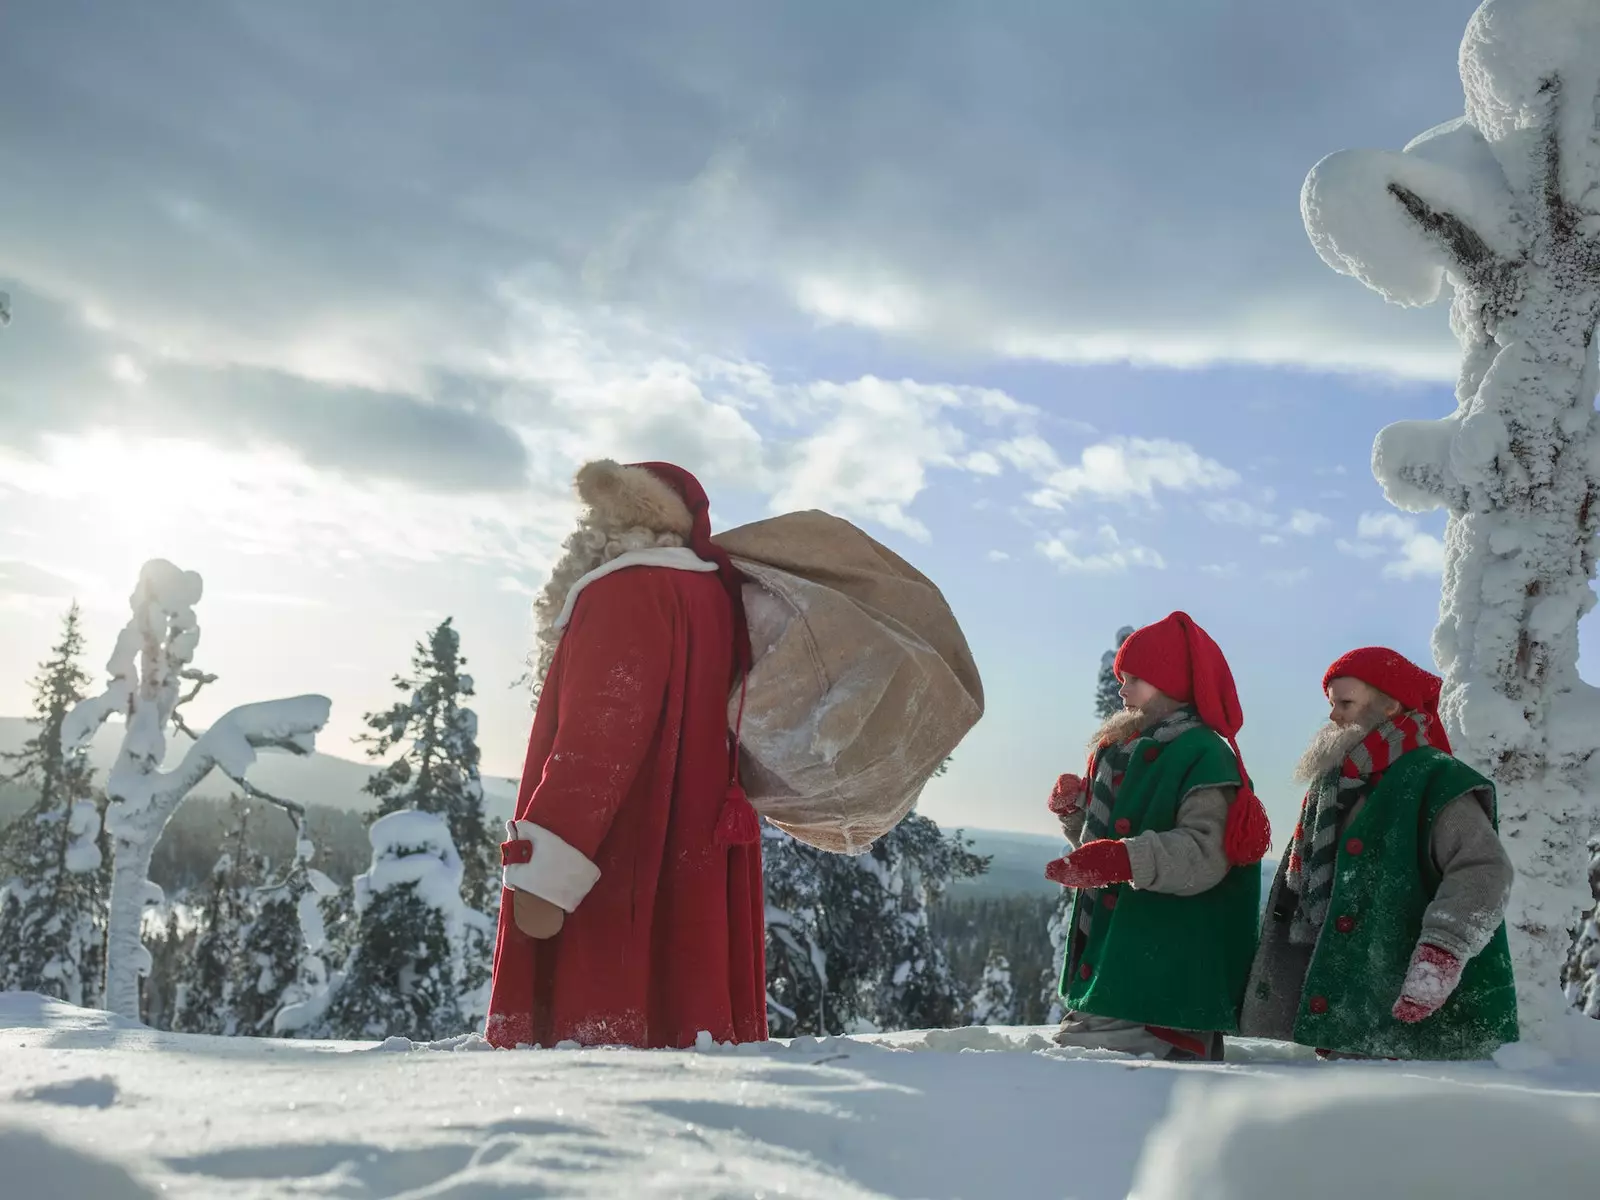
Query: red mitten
(1068,795)
(1433,976)
(1092,865)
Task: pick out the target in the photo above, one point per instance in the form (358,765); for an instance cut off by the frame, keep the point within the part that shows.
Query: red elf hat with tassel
(737,825)
(1180,658)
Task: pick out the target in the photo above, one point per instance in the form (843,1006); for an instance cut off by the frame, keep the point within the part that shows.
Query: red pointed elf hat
(1180,658)
(1396,676)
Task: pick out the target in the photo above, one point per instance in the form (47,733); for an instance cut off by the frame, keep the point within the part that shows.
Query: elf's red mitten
(1068,795)
(1092,865)
(1433,976)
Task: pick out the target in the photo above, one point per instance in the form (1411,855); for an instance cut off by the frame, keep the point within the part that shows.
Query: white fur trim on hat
(674,558)
(558,871)
(627,496)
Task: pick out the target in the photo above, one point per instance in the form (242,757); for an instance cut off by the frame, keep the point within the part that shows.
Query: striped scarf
(1329,800)
(1110,765)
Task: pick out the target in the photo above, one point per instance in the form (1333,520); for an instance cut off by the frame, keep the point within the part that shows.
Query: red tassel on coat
(738,824)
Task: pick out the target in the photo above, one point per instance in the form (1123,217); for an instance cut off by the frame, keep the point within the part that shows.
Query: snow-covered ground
(91,1105)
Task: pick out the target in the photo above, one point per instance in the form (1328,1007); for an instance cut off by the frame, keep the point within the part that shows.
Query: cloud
(1421,555)
(1288,577)
(1220,570)
(1124,469)
(1231,510)
(998,556)
(874,443)
(26,579)
(1103,554)
(1304,523)
(716,167)
(69,376)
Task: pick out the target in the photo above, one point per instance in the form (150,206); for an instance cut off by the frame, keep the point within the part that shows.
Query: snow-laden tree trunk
(1505,202)
(147,672)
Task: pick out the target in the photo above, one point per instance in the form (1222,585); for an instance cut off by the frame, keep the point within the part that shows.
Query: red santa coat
(625,778)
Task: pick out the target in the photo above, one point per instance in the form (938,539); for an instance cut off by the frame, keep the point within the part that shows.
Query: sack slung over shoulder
(862,682)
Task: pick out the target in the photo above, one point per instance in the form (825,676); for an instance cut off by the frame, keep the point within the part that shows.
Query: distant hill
(324,779)
(1016,868)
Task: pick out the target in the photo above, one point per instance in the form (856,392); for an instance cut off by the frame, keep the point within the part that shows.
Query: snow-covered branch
(147,670)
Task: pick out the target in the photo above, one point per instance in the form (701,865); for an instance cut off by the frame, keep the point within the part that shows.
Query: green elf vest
(1383,881)
(1181,962)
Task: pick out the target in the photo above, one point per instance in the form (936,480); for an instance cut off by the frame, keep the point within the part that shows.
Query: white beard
(1120,726)
(1332,744)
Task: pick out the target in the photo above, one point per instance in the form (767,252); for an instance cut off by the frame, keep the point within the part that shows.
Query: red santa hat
(694,497)
(1396,676)
(1178,657)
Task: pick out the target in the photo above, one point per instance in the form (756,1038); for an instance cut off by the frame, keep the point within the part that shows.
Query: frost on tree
(53,878)
(1108,692)
(438,772)
(149,670)
(1505,204)
(996,999)
(1582,976)
(420,967)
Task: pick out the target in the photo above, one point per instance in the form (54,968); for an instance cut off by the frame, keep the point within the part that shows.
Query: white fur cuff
(557,872)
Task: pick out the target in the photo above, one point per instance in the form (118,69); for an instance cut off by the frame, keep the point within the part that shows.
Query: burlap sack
(862,682)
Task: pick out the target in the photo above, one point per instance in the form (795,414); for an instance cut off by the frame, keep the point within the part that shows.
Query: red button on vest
(1354,846)
(1110,901)
(1345,924)
(1123,826)
(1319,1004)
(1085,971)
(519,851)
(1152,754)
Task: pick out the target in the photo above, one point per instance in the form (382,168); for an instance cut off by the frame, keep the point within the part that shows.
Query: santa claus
(632,911)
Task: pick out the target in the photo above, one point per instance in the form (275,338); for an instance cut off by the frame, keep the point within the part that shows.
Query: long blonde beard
(1332,744)
(1120,726)
(590,546)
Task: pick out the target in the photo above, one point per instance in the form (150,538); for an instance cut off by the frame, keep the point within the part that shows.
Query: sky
(328,303)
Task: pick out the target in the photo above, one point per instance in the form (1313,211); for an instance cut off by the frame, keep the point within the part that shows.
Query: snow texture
(147,670)
(943,1114)
(1416,1138)
(1505,203)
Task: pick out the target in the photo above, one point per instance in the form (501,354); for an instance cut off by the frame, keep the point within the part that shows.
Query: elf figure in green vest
(1168,836)
(1384,935)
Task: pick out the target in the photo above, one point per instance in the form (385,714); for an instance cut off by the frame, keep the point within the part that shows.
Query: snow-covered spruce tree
(849,946)
(1505,203)
(148,669)
(280,964)
(996,1000)
(419,967)
(1108,692)
(914,864)
(205,984)
(793,875)
(53,876)
(439,771)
